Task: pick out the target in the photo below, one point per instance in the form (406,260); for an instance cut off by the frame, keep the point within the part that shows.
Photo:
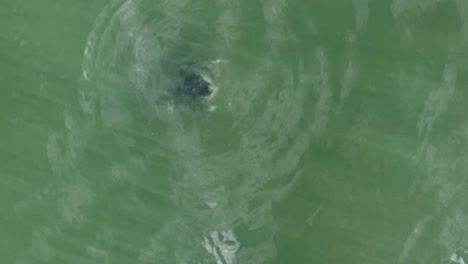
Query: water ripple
(224,169)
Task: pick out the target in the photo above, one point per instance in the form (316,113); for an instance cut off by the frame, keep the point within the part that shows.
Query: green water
(340,133)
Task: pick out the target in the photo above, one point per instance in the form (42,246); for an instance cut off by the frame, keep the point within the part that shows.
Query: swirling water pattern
(309,105)
(223,169)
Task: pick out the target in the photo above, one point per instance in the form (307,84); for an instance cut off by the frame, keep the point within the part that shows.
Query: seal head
(195,85)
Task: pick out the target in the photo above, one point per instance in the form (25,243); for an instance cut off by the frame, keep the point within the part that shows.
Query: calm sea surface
(339,134)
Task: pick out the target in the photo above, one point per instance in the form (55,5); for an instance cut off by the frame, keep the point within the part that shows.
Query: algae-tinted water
(340,133)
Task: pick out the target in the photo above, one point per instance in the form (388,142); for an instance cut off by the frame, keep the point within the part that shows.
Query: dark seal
(194,84)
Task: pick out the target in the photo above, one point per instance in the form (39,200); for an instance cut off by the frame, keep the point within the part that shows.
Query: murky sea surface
(339,132)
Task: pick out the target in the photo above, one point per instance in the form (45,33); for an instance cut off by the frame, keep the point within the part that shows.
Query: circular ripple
(223,169)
